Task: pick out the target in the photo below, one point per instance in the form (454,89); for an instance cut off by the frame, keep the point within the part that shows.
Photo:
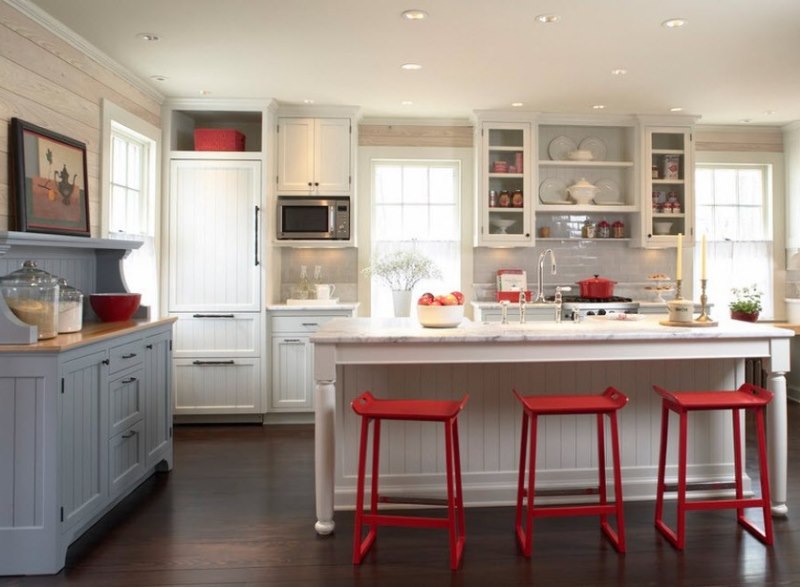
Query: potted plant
(746,303)
(401,271)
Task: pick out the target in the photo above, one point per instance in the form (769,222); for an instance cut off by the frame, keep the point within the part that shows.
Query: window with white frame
(130,197)
(733,211)
(416,203)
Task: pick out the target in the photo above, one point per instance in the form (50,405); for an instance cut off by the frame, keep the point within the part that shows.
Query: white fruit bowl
(440,316)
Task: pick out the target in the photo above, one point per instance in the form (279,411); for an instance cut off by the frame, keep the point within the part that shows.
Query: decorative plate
(608,193)
(560,148)
(596,146)
(553,191)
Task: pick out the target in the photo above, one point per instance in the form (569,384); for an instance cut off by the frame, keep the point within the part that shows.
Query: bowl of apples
(441,311)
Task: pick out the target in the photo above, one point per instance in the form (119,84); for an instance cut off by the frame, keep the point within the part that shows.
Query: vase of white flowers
(401,271)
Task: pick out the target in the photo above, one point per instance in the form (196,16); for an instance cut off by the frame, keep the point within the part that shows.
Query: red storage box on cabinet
(218,139)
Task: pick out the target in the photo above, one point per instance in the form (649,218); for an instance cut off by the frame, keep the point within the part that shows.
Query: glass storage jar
(32,294)
(70,308)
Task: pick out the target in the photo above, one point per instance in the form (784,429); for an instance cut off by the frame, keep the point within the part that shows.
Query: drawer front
(307,324)
(216,334)
(217,386)
(125,355)
(126,400)
(126,458)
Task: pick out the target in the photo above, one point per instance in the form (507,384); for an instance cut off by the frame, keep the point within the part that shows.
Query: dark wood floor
(238,509)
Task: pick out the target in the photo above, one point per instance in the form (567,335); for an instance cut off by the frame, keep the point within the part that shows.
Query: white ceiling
(735,60)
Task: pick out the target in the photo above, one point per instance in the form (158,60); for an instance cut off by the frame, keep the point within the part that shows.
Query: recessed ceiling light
(769,112)
(676,109)
(147,37)
(308,101)
(598,106)
(674,23)
(205,92)
(411,66)
(159,78)
(619,71)
(415,14)
(517,104)
(407,103)
(548,18)
(745,121)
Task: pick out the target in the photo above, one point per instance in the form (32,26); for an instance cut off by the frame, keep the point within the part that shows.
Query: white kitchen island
(399,358)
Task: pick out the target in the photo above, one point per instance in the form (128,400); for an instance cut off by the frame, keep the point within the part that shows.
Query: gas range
(576,307)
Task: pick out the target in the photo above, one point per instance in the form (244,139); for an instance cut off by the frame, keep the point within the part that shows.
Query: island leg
(778,452)
(324,451)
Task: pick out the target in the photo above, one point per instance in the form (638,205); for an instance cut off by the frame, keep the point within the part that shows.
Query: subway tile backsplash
(338,266)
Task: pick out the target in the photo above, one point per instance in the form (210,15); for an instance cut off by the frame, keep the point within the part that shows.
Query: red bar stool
(747,397)
(605,404)
(374,410)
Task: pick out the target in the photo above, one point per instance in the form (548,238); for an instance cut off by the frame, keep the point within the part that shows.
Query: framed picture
(48,181)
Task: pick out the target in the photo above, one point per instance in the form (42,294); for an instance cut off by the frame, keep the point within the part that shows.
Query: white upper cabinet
(504,210)
(314,156)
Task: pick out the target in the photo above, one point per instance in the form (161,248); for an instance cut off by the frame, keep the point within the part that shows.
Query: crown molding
(66,34)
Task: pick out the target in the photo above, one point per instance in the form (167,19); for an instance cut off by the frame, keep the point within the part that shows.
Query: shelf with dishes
(606,192)
(595,227)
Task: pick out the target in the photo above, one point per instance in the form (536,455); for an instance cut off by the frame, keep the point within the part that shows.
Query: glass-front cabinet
(504,211)
(669,210)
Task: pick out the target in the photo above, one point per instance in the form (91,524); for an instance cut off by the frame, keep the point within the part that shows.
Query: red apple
(425,299)
(459,297)
(449,300)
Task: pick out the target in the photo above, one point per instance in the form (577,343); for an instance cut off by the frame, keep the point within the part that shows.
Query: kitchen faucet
(540,275)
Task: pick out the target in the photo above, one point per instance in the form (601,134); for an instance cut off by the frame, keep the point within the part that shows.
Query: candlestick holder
(678,295)
(703,317)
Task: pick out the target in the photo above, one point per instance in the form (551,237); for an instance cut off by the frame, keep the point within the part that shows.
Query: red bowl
(115,307)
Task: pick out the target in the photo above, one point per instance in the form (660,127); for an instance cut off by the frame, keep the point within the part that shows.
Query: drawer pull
(148,347)
(129,434)
(292,340)
(213,362)
(310,323)
(212,316)
(129,356)
(129,380)
(106,362)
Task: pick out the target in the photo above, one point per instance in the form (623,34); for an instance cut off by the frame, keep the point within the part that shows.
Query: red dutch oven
(597,287)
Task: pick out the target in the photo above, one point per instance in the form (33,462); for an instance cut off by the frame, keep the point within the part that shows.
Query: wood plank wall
(739,139)
(47,81)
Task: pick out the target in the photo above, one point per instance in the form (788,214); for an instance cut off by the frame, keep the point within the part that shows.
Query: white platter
(560,148)
(553,191)
(596,146)
(621,317)
(608,193)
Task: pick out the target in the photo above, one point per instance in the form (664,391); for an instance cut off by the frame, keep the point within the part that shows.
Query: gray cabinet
(81,425)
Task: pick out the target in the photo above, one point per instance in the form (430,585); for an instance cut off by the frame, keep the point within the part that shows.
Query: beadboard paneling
(410,135)
(412,453)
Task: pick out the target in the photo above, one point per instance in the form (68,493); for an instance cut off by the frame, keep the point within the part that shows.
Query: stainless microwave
(304,218)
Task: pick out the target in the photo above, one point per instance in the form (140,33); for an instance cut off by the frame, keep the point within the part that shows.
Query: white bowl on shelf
(502,224)
(580,155)
(662,228)
(440,316)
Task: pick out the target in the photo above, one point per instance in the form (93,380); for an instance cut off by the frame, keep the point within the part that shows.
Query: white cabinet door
(83,438)
(291,373)
(296,155)
(314,156)
(332,156)
(214,236)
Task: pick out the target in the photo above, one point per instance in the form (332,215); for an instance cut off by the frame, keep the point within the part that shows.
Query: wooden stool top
(747,396)
(407,409)
(610,400)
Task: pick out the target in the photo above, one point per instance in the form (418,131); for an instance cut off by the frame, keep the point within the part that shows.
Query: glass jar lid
(29,276)
(68,293)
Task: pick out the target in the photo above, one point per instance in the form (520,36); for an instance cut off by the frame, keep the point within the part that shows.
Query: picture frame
(49,182)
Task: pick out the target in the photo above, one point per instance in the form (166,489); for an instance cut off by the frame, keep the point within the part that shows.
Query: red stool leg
(764,475)
(681,518)
(618,539)
(462,529)
(737,462)
(601,464)
(456,544)
(358,552)
(662,465)
(521,481)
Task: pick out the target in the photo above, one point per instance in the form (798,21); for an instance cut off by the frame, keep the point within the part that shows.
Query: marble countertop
(395,330)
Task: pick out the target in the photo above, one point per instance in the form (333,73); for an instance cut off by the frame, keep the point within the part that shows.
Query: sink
(312,302)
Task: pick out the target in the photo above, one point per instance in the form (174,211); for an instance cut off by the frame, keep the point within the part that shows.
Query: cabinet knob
(106,362)
(148,346)
(316,184)
(309,184)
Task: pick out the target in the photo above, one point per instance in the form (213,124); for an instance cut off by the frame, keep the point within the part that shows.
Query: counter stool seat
(747,397)
(605,404)
(374,410)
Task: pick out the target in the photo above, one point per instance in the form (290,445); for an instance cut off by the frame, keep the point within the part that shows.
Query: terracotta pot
(744,316)
(597,287)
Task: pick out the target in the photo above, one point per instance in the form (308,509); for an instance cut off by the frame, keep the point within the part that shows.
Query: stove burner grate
(580,300)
